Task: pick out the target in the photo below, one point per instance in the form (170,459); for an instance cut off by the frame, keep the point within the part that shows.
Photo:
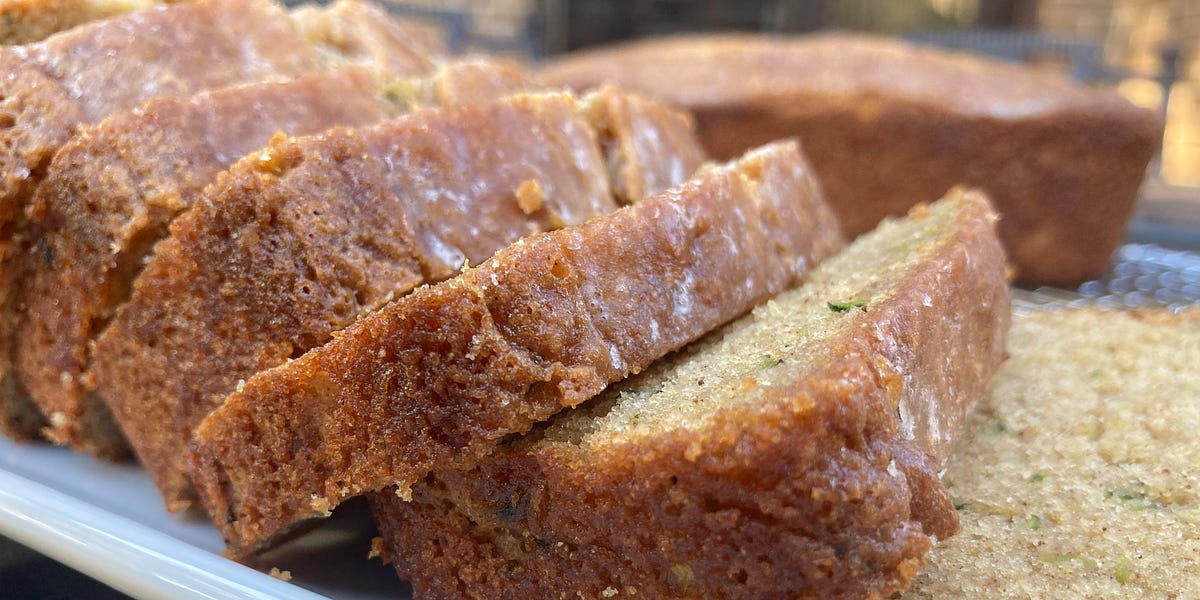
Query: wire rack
(1141,275)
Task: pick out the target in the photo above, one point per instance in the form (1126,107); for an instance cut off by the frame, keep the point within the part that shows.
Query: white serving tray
(108,522)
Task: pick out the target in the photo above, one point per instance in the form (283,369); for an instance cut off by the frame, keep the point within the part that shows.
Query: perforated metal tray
(1141,275)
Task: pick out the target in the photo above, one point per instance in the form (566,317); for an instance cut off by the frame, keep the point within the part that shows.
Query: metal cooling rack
(1142,275)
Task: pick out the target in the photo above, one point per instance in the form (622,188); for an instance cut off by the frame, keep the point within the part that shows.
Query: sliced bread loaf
(83,75)
(792,454)
(1078,476)
(298,241)
(108,196)
(79,76)
(438,378)
(111,191)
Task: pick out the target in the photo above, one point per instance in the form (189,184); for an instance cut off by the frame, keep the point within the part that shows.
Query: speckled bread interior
(1078,476)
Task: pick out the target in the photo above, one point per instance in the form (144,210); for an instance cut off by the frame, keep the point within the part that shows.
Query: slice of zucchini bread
(438,378)
(793,453)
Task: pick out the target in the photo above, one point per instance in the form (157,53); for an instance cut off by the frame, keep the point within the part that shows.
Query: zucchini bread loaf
(792,454)
(1078,476)
(889,125)
(438,378)
(297,241)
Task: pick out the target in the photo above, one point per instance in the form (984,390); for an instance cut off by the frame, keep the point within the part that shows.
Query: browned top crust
(118,63)
(890,124)
(738,70)
(296,242)
(806,475)
(476,179)
(109,195)
(436,379)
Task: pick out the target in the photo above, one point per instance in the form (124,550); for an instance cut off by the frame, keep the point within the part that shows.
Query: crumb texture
(1079,475)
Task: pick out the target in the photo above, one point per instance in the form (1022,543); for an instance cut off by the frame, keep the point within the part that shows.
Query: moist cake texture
(436,379)
(793,453)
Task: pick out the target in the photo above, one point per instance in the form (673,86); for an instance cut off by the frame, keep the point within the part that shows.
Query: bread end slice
(794,452)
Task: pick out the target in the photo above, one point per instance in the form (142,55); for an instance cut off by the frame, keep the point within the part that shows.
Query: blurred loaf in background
(888,125)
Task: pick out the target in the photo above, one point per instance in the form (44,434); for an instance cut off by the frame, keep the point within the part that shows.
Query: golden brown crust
(459,177)
(813,489)
(54,86)
(296,242)
(436,379)
(40,116)
(110,193)
(174,51)
(311,223)
(891,125)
